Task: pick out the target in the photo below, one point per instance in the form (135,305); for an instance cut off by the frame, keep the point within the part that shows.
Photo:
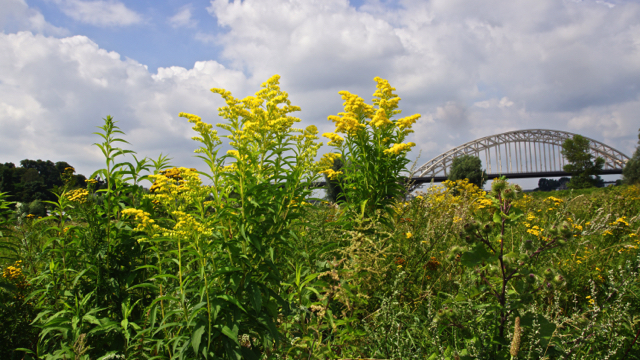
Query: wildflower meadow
(237,260)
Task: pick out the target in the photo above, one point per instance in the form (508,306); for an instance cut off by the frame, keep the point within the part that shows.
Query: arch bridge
(519,154)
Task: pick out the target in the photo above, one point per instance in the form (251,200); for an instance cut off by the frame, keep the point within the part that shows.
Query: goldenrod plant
(370,144)
(234,259)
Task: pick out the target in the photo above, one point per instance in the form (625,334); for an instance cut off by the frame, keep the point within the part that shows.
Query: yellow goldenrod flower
(399,148)
(407,122)
(336,139)
(331,174)
(380,119)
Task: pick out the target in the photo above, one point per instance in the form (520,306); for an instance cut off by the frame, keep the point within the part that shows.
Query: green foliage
(35,179)
(507,276)
(334,190)
(246,268)
(584,171)
(36,207)
(468,167)
(631,172)
(372,150)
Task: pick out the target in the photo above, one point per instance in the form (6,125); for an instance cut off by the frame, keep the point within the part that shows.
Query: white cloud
(103,13)
(54,92)
(502,103)
(471,69)
(183,18)
(15,15)
(452,114)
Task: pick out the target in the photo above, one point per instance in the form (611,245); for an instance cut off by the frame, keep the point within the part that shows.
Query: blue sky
(152,39)
(470,68)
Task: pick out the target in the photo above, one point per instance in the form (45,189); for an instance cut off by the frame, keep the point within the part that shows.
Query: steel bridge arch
(543,152)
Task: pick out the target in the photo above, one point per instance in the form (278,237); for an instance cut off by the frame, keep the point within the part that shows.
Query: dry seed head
(515,342)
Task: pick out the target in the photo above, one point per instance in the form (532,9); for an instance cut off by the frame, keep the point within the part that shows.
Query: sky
(470,68)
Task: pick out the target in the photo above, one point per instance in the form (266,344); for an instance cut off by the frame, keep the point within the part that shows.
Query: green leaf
(232,333)
(497,218)
(460,297)
(91,319)
(256,297)
(546,328)
(476,256)
(232,300)
(196,337)
(515,213)
(234,281)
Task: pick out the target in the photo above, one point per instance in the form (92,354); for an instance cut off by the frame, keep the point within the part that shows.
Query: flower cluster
(13,272)
(350,122)
(207,134)
(380,119)
(618,228)
(484,202)
(553,203)
(534,230)
(171,184)
(331,174)
(336,139)
(524,202)
(146,223)
(186,225)
(78,195)
(397,149)
(407,122)
(620,222)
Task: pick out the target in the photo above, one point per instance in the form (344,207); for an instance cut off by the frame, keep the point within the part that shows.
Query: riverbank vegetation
(236,262)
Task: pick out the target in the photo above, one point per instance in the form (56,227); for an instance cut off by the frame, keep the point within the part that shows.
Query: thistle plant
(507,277)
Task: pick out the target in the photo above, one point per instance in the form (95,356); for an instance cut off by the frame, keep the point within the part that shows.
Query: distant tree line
(631,172)
(33,181)
(545,184)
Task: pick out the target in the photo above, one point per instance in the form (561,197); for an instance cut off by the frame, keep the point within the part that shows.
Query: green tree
(8,178)
(584,171)
(631,172)
(551,184)
(35,179)
(468,167)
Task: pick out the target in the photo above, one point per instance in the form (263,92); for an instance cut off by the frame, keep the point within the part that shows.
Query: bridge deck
(544,174)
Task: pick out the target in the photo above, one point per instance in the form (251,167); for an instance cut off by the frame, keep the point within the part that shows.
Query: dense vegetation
(246,267)
(33,180)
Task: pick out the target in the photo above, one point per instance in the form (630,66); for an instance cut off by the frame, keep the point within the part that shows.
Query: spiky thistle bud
(498,185)
(515,342)
(531,279)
